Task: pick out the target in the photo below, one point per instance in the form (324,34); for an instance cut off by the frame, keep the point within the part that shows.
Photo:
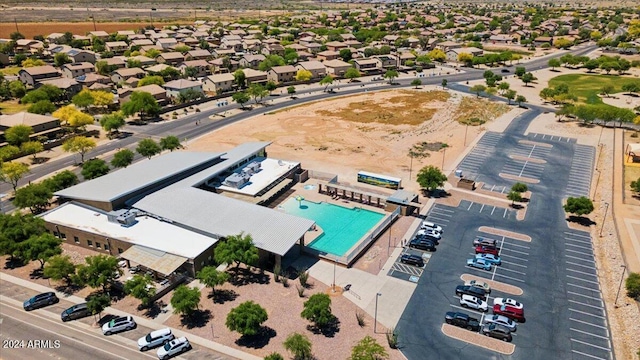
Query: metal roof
(153,259)
(138,176)
(271,230)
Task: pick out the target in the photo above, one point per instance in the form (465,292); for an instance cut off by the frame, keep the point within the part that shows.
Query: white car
(430,232)
(473,302)
(119,324)
(155,338)
(480,285)
(508,301)
(501,320)
(173,347)
(430,225)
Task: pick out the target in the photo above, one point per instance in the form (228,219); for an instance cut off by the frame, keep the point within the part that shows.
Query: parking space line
(582,272)
(511,256)
(575,264)
(588,323)
(505,212)
(430,217)
(470,205)
(482,207)
(577,234)
(515,251)
(579,252)
(588,355)
(514,264)
(492,210)
(595,346)
(577,278)
(590,334)
(465,309)
(439,214)
(518,245)
(584,287)
(583,304)
(514,271)
(508,277)
(578,241)
(580,247)
(586,296)
(586,313)
(444,209)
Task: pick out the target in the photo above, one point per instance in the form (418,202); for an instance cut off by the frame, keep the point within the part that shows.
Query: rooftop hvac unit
(127,219)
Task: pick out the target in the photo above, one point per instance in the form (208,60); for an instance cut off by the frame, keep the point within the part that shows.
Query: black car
(422,245)
(40,300)
(497,331)
(462,320)
(504,70)
(428,238)
(412,260)
(75,312)
(471,290)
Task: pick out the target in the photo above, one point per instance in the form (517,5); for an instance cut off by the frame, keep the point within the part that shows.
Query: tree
(32,63)
(390,74)
(527,78)
(237,248)
(61,181)
(465,58)
(431,178)
(579,206)
(318,310)
(15,229)
(631,88)
(368,349)
(444,83)
(510,95)
(112,122)
(303,75)
(520,187)
(98,271)
(8,152)
(478,89)
(291,90)
(148,148)
(60,59)
(141,287)
(241,98)
(562,43)
(345,54)
(18,134)
(141,103)
(553,63)
(17,89)
(59,267)
(271,61)
(42,107)
(190,72)
(134,63)
(299,345)
(83,99)
(79,144)
(246,318)
(257,92)
(41,248)
(635,186)
(632,284)
(122,158)
(520,99)
(351,74)
(270,86)
(520,70)
(437,55)
(514,196)
(102,98)
(11,173)
(240,78)
(607,90)
(416,82)
(97,303)
(73,117)
(185,300)
(150,80)
(33,196)
(327,80)
(211,277)
(15,36)
(94,168)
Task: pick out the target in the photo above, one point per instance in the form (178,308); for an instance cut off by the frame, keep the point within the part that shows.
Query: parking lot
(523,168)
(483,150)
(490,210)
(536,136)
(579,181)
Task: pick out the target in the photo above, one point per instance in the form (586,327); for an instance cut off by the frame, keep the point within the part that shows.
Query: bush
(285,279)
(274,356)
(300,290)
(632,284)
(360,318)
(303,277)
(277,271)
(392,338)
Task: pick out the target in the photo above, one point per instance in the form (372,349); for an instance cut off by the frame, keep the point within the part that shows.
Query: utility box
(467,184)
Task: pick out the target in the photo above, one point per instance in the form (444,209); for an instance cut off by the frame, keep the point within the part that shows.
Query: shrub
(392,338)
(277,271)
(274,356)
(285,279)
(303,277)
(360,318)
(632,284)
(300,290)
(299,345)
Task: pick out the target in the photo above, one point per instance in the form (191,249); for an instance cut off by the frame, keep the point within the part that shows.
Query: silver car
(155,338)
(173,347)
(501,320)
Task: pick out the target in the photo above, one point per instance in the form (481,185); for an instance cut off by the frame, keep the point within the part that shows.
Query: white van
(430,225)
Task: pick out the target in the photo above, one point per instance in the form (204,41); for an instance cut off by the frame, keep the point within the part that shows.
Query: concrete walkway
(231,352)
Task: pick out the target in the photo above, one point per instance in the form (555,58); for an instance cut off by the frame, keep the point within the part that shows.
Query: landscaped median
(475,338)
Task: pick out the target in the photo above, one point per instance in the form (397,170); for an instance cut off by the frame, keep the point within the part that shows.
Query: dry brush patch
(482,109)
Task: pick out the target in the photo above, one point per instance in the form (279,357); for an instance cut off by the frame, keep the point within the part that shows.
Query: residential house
(218,83)
(32,75)
(171,58)
(502,39)
(81,56)
(199,54)
(167,43)
(446,45)
(201,65)
(251,61)
(175,87)
(117,62)
(328,55)
(273,49)
(77,69)
(353,44)
(90,79)
(116,47)
(387,61)
(123,74)
(313,47)
(235,45)
(28,45)
(316,68)
(159,93)
(219,66)
(141,42)
(368,65)
(406,56)
(69,87)
(253,45)
(100,34)
(126,32)
(218,53)
(543,40)
(4,59)
(336,67)
(336,46)
(254,76)
(282,74)
(452,54)
(42,125)
(144,61)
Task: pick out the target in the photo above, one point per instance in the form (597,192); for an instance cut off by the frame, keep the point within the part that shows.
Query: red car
(510,312)
(481,249)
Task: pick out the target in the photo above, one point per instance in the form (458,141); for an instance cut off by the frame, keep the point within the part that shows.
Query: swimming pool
(342,227)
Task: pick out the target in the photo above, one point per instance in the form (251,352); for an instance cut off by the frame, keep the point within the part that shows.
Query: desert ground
(369,132)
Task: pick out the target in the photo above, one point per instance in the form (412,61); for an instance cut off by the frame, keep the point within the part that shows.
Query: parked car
(173,347)
(490,258)
(487,250)
(480,285)
(430,225)
(508,301)
(501,320)
(510,312)
(40,300)
(479,263)
(422,245)
(485,241)
(155,338)
(470,290)
(414,260)
(504,70)
(429,232)
(118,324)
(474,303)
(497,332)
(433,239)
(75,312)
(462,320)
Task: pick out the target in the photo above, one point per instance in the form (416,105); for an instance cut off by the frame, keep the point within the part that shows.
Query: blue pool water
(342,227)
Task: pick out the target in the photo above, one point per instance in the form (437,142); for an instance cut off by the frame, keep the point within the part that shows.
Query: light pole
(624,268)
(605,217)
(375,314)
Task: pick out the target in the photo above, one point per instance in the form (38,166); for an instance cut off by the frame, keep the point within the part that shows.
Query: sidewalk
(231,352)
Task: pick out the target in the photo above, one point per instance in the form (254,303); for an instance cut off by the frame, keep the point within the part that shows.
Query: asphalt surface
(186,128)
(565,317)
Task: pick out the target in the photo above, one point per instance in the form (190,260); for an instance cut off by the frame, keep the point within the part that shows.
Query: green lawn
(11,70)
(587,87)
(12,107)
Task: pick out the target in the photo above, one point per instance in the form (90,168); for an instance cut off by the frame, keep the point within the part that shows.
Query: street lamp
(375,314)
(605,217)
(624,268)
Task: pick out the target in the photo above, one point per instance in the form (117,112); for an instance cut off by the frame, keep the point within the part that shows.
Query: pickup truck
(462,320)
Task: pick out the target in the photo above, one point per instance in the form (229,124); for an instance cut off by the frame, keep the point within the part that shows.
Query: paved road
(186,128)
